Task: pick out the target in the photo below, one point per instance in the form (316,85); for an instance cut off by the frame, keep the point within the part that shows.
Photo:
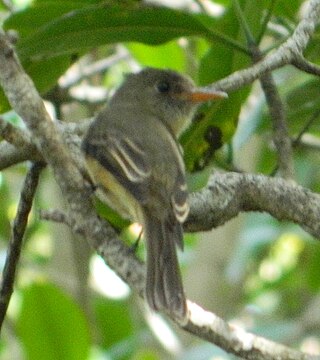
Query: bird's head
(165,94)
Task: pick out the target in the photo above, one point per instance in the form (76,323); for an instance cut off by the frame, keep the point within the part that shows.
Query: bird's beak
(202,95)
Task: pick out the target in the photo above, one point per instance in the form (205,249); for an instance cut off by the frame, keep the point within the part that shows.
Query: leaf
(220,61)
(169,55)
(250,124)
(85,28)
(111,215)
(5,203)
(30,19)
(288,9)
(302,102)
(114,321)
(301,96)
(51,326)
(46,72)
(52,33)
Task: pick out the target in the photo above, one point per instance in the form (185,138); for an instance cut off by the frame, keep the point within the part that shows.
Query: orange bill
(202,95)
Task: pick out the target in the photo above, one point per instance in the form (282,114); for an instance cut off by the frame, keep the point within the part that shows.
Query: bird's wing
(180,206)
(124,159)
(179,199)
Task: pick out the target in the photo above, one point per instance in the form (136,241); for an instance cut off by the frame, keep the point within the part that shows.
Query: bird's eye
(163,87)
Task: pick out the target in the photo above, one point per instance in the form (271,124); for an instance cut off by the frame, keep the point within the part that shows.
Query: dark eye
(163,86)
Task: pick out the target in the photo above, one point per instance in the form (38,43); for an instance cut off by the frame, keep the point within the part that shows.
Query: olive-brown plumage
(136,163)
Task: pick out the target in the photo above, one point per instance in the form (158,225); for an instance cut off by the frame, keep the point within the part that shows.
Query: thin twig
(302,64)
(284,55)
(281,136)
(17,233)
(201,6)
(13,134)
(55,215)
(9,5)
(310,142)
(265,21)
(78,73)
(276,107)
(306,126)
(10,155)
(244,24)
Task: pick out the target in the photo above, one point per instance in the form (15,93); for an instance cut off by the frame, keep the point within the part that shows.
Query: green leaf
(75,3)
(111,215)
(52,33)
(302,102)
(29,20)
(221,117)
(46,72)
(83,29)
(301,94)
(114,321)
(5,227)
(169,55)
(251,123)
(311,272)
(51,326)
(288,9)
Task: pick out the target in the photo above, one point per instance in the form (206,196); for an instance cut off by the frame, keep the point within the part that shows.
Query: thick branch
(228,194)
(237,341)
(19,149)
(201,323)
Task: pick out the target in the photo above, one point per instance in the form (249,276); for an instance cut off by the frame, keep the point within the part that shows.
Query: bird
(136,163)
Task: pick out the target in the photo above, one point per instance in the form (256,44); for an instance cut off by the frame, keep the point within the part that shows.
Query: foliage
(272,268)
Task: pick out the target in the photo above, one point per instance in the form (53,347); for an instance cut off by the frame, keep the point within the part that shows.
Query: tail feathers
(164,290)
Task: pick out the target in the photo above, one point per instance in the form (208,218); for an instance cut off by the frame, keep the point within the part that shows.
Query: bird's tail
(164,289)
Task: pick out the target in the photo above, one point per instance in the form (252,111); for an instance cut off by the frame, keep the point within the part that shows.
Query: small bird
(136,163)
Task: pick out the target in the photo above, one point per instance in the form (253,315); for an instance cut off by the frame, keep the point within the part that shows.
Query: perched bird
(134,159)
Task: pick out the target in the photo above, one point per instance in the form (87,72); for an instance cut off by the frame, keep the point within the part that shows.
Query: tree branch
(235,340)
(77,73)
(281,136)
(14,135)
(228,194)
(302,64)
(18,230)
(19,148)
(55,215)
(10,155)
(284,55)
